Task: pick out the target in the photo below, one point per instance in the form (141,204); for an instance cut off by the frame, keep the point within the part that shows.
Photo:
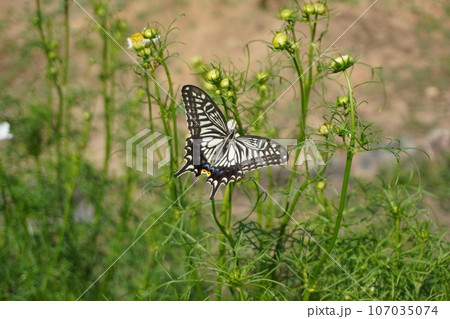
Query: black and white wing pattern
(260,152)
(216,149)
(203,116)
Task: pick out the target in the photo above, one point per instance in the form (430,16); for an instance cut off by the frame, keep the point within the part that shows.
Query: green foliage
(72,227)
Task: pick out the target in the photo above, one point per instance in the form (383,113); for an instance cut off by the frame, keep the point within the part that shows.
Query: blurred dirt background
(410,40)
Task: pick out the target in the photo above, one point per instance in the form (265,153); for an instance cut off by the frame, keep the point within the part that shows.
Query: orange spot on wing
(206,171)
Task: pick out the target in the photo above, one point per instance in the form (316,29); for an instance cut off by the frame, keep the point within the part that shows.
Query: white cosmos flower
(138,42)
(4,131)
(156,38)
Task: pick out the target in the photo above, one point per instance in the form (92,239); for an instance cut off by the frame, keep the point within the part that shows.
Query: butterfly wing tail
(215,187)
(183,170)
(189,166)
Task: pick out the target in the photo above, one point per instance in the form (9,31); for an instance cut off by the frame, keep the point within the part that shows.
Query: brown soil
(409,39)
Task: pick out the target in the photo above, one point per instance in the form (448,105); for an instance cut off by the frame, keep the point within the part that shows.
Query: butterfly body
(216,148)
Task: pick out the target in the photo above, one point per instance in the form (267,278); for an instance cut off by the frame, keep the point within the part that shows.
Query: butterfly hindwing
(260,152)
(218,174)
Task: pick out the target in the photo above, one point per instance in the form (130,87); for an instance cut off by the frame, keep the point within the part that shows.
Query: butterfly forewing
(203,116)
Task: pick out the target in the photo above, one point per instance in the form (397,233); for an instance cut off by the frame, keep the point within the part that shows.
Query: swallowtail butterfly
(215,147)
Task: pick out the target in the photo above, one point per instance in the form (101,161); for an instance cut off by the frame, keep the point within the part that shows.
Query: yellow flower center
(136,40)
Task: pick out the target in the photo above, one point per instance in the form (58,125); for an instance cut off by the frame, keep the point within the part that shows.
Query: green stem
(397,238)
(225,216)
(52,81)
(105,75)
(224,227)
(221,251)
(312,27)
(287,216)
(304,105)
(305,90)
(69,187)
(161,105)
(174,142)
(343,197)
(233,111)
(149,101)
(259,213)
(65,69)
(106,98)
(150,111)
(4,205)
(229,208)
(301,136)
(241,293)
(60,141)
(337,225)
(237,117)
(167,132)
(302,133)
(173,110)
(225,105)
(44,42)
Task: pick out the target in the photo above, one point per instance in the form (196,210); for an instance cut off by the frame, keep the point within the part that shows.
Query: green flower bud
(342,101)
(424,231)
(141,93)
(229,94)
(122,25)
(308,9)
(218,92)
(285,14)
(53,44)
(423,234)
(325,129)
(149,33)
(87,116)
(319,8)
(36,20)
(320,67)
(75,157)
(52,55)
(100,11)
(294,46)
(394,209)
(209,86)
(342,63)
(213,75)
(53,71)
(321,185)
(262,76)
(340,130)
(225,83)
(279,41)
(196,61)
(146,52)
(262,88)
